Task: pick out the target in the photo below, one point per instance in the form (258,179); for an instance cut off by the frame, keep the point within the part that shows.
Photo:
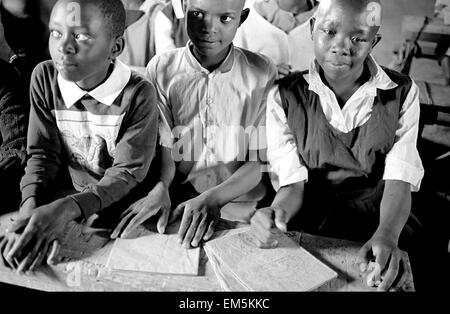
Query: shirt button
(209,101)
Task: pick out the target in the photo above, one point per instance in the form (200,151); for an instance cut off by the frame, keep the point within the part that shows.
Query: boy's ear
(312,23)
(376,40)
(244,15)
(118,47)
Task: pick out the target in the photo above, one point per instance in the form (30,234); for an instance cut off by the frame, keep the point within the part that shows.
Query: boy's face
(80,43)
(343,39)
(212,24)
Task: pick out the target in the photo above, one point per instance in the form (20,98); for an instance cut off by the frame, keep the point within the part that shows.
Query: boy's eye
(358,39)
(197,14)
(55,34)
(226,19)
(328,32)
(82,37)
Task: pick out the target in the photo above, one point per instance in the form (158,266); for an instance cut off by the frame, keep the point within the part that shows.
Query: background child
(279,29)
(207,93)
(140,33)
(90,114)
(152,27)
(170,27)
(13,135)
(342,144)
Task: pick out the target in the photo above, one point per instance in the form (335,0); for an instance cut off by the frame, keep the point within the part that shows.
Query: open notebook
(241,266)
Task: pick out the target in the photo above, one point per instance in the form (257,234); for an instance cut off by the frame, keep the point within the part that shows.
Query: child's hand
(266,223)
(8,239)
(382,273)
(200,216)
(26,210)
(283,70)
(43,229)
(157,201)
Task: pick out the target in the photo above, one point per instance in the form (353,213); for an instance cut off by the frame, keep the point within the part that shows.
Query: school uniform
(105,138)
(277,34)
(170,31)
(140,38)
(345,154)
(211,120)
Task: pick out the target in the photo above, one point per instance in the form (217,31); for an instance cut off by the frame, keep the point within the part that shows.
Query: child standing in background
(279,29)
(152,27)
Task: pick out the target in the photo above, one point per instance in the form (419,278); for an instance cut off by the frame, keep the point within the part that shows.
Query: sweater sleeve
(134,152)
(44,147)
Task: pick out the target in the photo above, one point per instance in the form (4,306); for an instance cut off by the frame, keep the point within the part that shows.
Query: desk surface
(83,267)
(413,23)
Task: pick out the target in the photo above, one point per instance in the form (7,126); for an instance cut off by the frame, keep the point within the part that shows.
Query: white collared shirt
(205,111)
(402,162)
(294,48)
(105,93)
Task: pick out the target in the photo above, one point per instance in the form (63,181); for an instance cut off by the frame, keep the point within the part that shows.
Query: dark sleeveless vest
(349,164)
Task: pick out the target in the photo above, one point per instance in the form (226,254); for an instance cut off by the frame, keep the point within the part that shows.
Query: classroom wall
(393,12)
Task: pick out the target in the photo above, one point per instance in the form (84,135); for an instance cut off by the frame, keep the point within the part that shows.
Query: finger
(381,258)
(184,225)
(23,240)
(210,232)
(283,72)
(163,220)
(127,211)
(263,217)
(264,238)
(200,232)
(390,274)
(265,245)
(40,256)
(177,212)
(9,243)
(116,233)
(139,219)
(196,219)
(364,256)
(284,69)
(52,258)
(3,242)
(261,233)
(27,261)
(281,220)
(18,224)
(374,275)
(405,275)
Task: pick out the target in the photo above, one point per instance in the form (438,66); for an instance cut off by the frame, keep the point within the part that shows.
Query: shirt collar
(378,80)
(224,67)
(145,7)
(105,93)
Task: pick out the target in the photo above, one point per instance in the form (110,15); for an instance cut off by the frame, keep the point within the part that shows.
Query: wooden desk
(84,267)
(434,31)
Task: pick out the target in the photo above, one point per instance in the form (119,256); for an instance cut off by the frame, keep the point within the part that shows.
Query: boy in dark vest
(342,144)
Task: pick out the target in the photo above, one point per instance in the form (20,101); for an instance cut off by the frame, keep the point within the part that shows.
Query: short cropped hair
(114,15)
